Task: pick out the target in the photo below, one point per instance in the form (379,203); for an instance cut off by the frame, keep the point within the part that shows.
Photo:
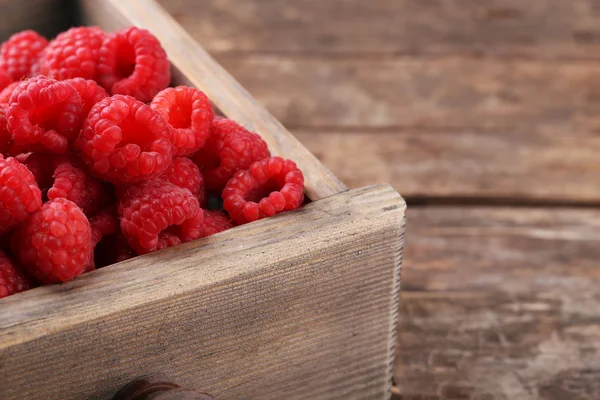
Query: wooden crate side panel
(192,65)
(305,300)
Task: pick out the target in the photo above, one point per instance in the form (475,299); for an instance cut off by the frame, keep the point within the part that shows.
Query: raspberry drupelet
(12,280)
(72,54)
(5,79)
(20,52)
(5,136)
(72,182)
(185,174)
(124,141)
(268,187)
(7,92)
(229,148)
(214,222)
(90,93)
(44,114)
(19,193)
(154,215)
(133,62)
(189,114)
(55,243)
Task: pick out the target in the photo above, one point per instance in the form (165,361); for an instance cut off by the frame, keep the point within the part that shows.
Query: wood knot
(158,387)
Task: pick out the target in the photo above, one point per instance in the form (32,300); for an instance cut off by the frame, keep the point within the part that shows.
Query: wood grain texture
(541,28)
(193,66)
(48,17)
(305,299)
(495,346)
(501,248)
(500,303)
(513,167)
(451,93)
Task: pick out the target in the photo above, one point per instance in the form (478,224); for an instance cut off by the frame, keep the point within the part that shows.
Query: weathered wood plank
(506,249)
(541,28)
(495,346)
(192,65)
(455,93)
(537,166)
(305,299)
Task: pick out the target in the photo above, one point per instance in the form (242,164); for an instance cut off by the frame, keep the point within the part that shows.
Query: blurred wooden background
(485,115)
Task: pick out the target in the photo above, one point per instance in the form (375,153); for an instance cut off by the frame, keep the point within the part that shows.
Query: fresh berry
(5,79)
(90,93)
(44,114)
(7,92)
(12,280)
(41,166)
(133,62)
(151,213)
(19,194)
(185,174)
(214,222)
(189,114)
(228,149)
(5,136)
(267,188)
(72,54)
(20,52)
(55,243)
(73,183)
(125,141)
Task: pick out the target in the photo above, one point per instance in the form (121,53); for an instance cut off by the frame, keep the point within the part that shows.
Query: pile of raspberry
(101,161)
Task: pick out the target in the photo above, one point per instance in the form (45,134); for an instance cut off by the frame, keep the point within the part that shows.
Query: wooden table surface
(485,115)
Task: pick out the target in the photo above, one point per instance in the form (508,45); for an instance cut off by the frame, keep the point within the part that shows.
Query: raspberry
(44,114)
(41,166)
(133,62)
(228,149)
(152,212)
(215,222)
(72,54)
(189,114)
(5,79)
(20,52)
(267,188)
(7,92)
(124,141)
(55,243)
(5,136)
(19,194)
(90,93)
(12,280)
(73,183)
(185,174)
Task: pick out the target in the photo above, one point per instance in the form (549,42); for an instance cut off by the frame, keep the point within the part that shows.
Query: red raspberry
(12,280)
(189,114)
(5,79)
(90,93)
(55,243)
(185,174)
(228,149)
(124,141)
(73,183)
(267,188)
(20,52)
(5,136)
(19,194)
(151,213)
(133,62)
(215,222)
(41,166)
(44,114)
(7,92)
(72,54)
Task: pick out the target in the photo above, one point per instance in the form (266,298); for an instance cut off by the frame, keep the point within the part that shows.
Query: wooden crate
(302,305)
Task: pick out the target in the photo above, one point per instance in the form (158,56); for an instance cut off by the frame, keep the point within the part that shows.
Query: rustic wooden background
(485,115)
